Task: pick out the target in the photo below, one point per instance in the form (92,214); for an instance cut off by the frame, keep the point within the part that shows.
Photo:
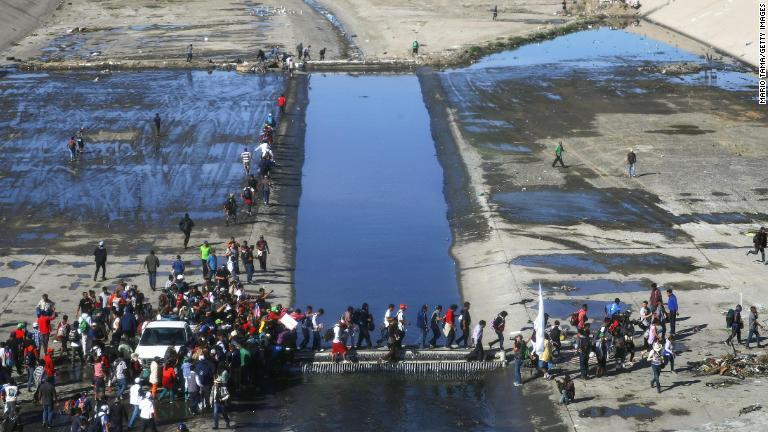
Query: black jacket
(100,254)
(760,239)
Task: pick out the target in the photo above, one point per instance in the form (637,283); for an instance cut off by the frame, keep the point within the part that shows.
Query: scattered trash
(739,366)
(722,384)
(749,409)
(673,69)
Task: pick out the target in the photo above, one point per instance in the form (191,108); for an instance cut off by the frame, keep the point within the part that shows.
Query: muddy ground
(156,34)
(590,233)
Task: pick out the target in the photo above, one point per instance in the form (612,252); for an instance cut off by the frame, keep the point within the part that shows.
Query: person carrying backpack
(247,195)
(498,326)
(760,241)
(230,209)
(736,325)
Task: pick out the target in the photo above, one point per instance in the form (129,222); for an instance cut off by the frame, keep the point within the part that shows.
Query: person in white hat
(656,360)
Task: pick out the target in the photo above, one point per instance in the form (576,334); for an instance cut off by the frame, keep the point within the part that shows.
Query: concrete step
(441,369)
(409,354)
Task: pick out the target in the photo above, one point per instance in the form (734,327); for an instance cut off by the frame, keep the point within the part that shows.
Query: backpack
(729,317)
(574,318)
(83,326)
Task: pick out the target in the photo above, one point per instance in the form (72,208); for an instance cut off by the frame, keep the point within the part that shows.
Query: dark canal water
(372,216)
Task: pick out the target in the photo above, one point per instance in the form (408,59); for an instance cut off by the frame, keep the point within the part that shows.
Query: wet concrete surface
(372,216)
(128,179)
(593,263)
(699,140)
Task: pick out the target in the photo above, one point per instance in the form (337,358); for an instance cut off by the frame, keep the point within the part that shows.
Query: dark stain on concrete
(692,286)
(681,130)
(639,412)
(596,263)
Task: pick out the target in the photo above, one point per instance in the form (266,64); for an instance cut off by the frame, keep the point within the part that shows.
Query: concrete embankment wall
(20,17)
(729,26)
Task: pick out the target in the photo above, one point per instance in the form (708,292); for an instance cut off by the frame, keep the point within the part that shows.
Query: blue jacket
(128,324)
(178,266)
(672,303)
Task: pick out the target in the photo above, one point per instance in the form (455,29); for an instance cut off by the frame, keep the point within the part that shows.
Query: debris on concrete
(673,69)
(749,409)
(739,366)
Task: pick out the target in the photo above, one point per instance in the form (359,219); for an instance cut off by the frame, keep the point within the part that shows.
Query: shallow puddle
(6,282)
(625,264)
(639,412)
(593,287)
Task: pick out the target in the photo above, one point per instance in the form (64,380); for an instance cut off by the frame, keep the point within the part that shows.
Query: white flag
(538,325)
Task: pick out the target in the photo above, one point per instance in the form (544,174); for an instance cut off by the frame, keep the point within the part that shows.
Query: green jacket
(559,149)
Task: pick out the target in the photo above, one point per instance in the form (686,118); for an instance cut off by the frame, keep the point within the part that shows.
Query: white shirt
(146,408)
(134,394)
(316,324)
(401,319)
(245,157)
(263,149)
(120,370)
(337,334)
(477,333)
(387,316)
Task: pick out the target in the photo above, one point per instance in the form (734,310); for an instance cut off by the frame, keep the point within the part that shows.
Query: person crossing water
(72,147)
(80,138)
(245,159)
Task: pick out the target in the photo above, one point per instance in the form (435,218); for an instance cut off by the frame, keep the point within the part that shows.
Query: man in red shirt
(44,324)
(50,370)
(582,319)
(281,103)
(655,297)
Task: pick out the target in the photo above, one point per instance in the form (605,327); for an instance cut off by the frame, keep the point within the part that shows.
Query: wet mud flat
(588,232)
(128,179)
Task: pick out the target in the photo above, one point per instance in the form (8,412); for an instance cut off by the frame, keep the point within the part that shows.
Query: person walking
(669,352)
(189,53)
(134,398)
(736,325)
(434,325)
(306,53)
(245,159)
(449,326)
(322,53)
(80,138)
(247,257)
(205,251)
(151,263)
(760,240)
(247,196)
(477,341)
(72,147)
(46,396)
(220,398)
(156,120)
(584,347)
(498,326)
(213,263)
(365,324)
(422,323)
(465,323)
(754,326)
(262,250)
(147,413)
(672,310)
(265,186)
(100,258)
(177,267)
(415,48)
(299,50)
(281,103)
(656,361)
(230,209)
(495,12)
(632,163)
(559,150)
(518,352)
(185,225)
